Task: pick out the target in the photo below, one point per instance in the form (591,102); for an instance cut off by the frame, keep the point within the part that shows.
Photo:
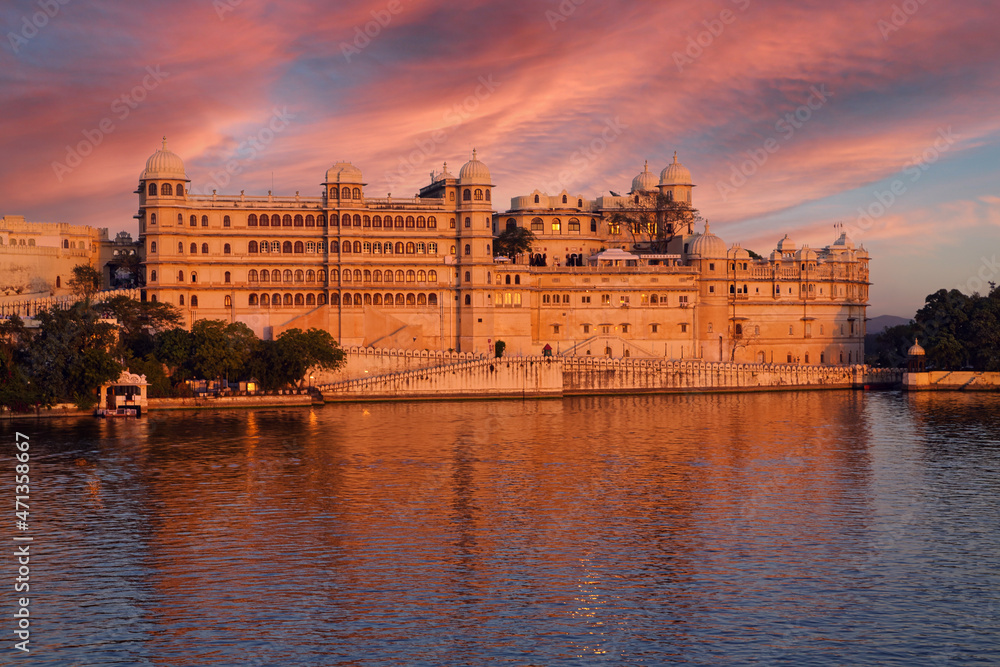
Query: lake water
(807,528)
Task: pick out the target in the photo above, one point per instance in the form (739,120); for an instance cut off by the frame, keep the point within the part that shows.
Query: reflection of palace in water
(420,273)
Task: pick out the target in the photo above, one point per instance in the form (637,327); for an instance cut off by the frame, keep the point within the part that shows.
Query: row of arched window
(347,220)
(288,276)
(166,190)
(477,195)
(386,299)
(275,300)
(193,248)
(538,225)
(345,247)
(377,276)
(287,247)
(345,193)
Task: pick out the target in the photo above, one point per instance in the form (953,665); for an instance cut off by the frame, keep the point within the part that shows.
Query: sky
(794,116)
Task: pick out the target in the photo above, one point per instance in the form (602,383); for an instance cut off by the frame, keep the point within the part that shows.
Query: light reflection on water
(778,528)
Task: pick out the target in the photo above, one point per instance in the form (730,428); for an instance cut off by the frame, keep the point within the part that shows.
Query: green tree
(86,281)
(138,322)
(220,349)
(16,391)
(288,359)
(655,220)
(513,241)
(72,355)
(173,348)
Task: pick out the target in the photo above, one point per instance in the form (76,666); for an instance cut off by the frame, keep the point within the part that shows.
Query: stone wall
(952,381)
(443,375)
(279,401)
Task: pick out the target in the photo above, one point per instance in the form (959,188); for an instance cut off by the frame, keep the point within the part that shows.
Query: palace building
(421,272)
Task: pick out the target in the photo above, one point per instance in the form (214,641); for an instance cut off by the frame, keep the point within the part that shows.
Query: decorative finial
(646,168)
(164,142)
(474,154)
(707,230)
(445,170)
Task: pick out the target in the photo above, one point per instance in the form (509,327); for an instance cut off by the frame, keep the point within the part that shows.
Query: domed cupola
(916,350)
(475,171)
(707,246)
(164,164)
(344,172)
(645,181)
(676,174)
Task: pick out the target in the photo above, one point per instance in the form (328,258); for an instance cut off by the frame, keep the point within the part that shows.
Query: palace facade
(420,273)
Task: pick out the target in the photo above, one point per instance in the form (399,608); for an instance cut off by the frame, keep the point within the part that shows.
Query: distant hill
(877,325)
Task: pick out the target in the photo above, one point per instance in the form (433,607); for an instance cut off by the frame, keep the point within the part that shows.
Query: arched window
(537,225)
(265,299)
(454,250)
(517,280)
(356,193)
(565,199)
(265,276)
(432,222)
(287,276)
(194,276)
(468,249)
(152,219)
(357,275)
(388,276)
(467,195)
(377,221)
(204,221)
(181,300)
(366,221)
(508,279)
(334,220)
(377,300)
(593,226)
(321,299)
(229,301)
(152,247)
(204,248)
(227,278)
(299,221)
(345,193)
(152,277)
(451,196)
(367,276)
(310,221)
(400,300)
(252,247)
(321,276)
(193,221)
(321,220)
(357,247)
(194,248)
(387,248)
(300,247)
(432,276)
(180,190)
(468,299)
(180,220)
(377,276)
(421,222)
(286,247)
(411,275)
(151,190)
(252,220)
(226,221)
(275,299)
(346,275)
(264,220)
(478,195)
(400,276)
(180,247)
(300,300)
(468,276)
(399,248)
(334,193)
(287,301)
(254,300)
(252,275)
(310,299)
(286,220)
(194,301)
(421,299)
(310,276)
(468,222)
(411,248)
(432,300)
(410,222)
(574,225)
(432,248)
(399,222)
(411,300)
(556,225)
(227,249)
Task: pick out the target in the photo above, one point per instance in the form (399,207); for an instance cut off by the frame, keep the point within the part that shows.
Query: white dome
(737,252)
(343,172)
(916,350)
(675,174)
(164,164)
(708,246)
(786,245)
(806,254)
(645,181)
(475,171)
